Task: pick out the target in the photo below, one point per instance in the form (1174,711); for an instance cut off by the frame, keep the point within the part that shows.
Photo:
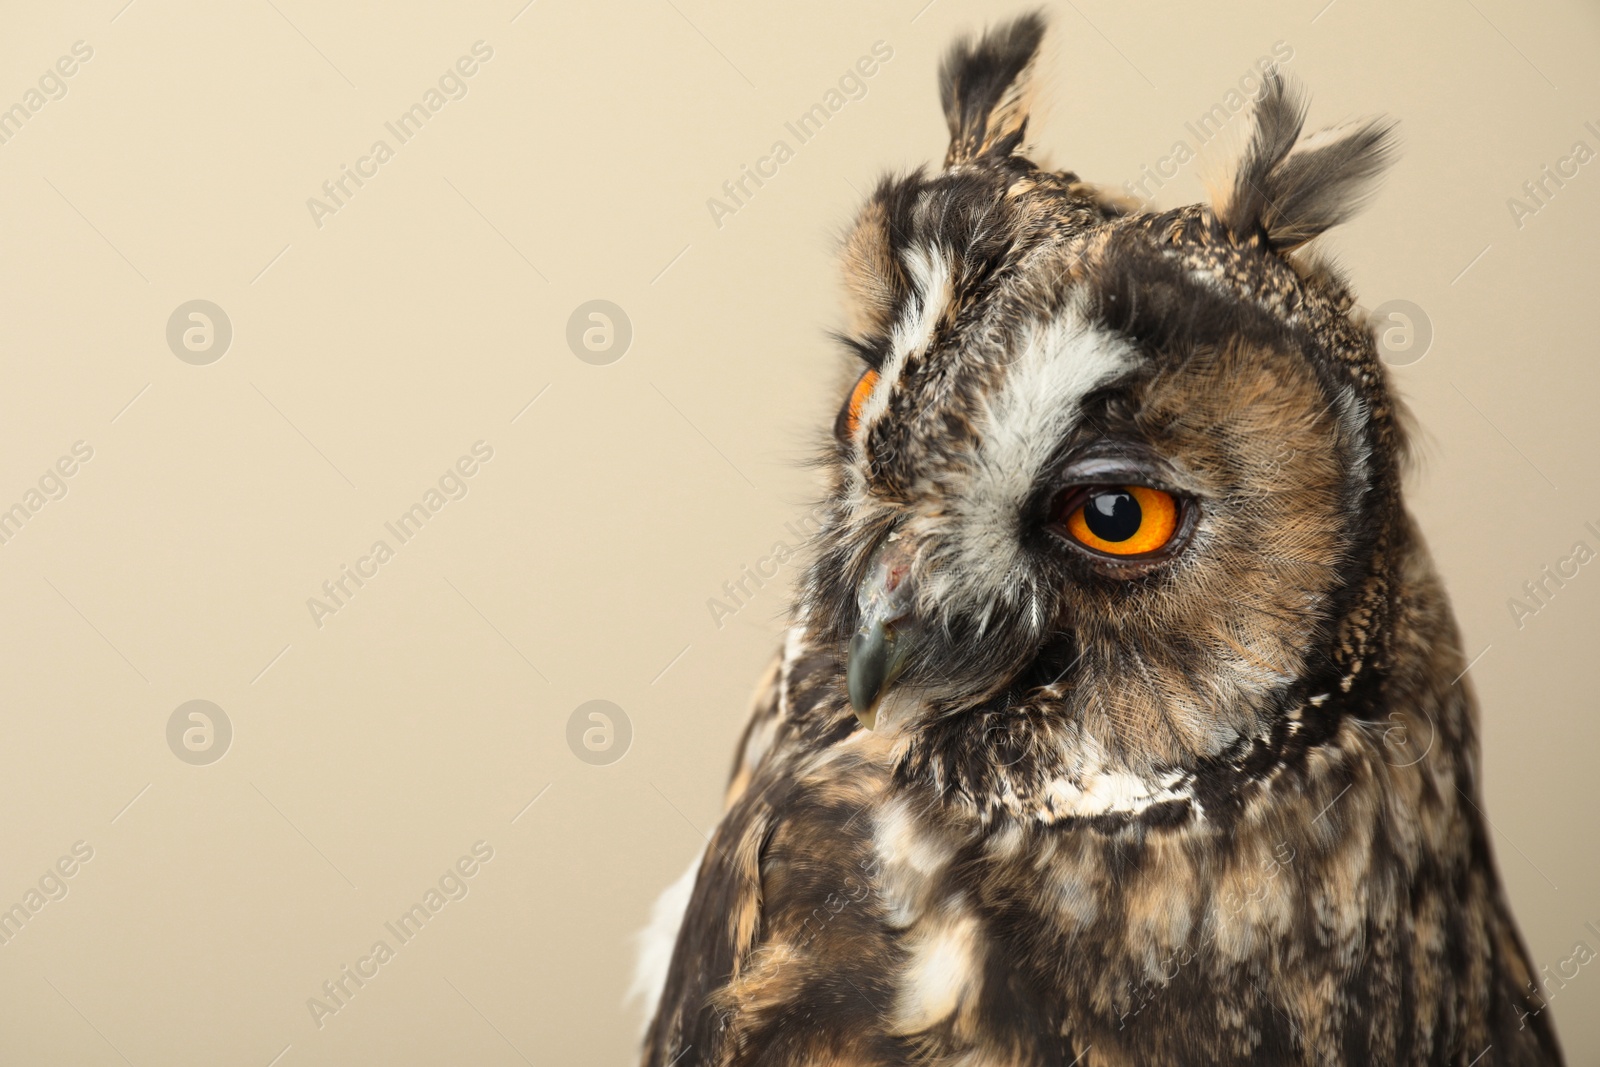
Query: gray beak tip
(878,652)
(871,665)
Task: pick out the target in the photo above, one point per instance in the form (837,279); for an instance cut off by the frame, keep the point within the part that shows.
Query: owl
(1121,717)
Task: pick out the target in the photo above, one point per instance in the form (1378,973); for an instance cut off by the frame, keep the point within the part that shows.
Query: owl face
(1109,483)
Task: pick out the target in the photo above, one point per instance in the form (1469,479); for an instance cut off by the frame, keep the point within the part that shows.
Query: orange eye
(1126,520)
(858,399)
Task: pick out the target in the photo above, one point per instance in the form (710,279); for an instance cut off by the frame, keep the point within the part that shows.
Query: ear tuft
(984,88)
(1291,189)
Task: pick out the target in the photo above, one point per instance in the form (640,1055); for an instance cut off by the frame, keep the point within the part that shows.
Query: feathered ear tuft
(984,87)
(1290,189)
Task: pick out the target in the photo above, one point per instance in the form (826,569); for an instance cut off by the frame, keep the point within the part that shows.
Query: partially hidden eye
(858,400)
(1122,520)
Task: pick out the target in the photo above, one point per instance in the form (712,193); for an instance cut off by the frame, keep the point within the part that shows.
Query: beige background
(368,354)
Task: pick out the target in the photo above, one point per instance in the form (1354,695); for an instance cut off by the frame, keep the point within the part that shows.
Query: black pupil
(1112,515)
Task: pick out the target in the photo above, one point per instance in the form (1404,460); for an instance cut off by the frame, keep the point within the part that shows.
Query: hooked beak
(882,645)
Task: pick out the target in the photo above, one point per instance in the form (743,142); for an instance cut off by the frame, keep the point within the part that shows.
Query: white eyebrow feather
(1020,425)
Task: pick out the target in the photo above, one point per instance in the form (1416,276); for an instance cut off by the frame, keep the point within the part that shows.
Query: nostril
(888,591)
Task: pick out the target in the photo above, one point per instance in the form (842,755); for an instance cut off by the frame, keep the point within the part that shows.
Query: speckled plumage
(1216,808)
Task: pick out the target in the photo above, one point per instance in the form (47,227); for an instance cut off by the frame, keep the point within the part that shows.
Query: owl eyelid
(1122,469)
(871,355)
(1081,482)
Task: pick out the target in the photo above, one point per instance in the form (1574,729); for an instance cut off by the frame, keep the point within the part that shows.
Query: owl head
(1112,487)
